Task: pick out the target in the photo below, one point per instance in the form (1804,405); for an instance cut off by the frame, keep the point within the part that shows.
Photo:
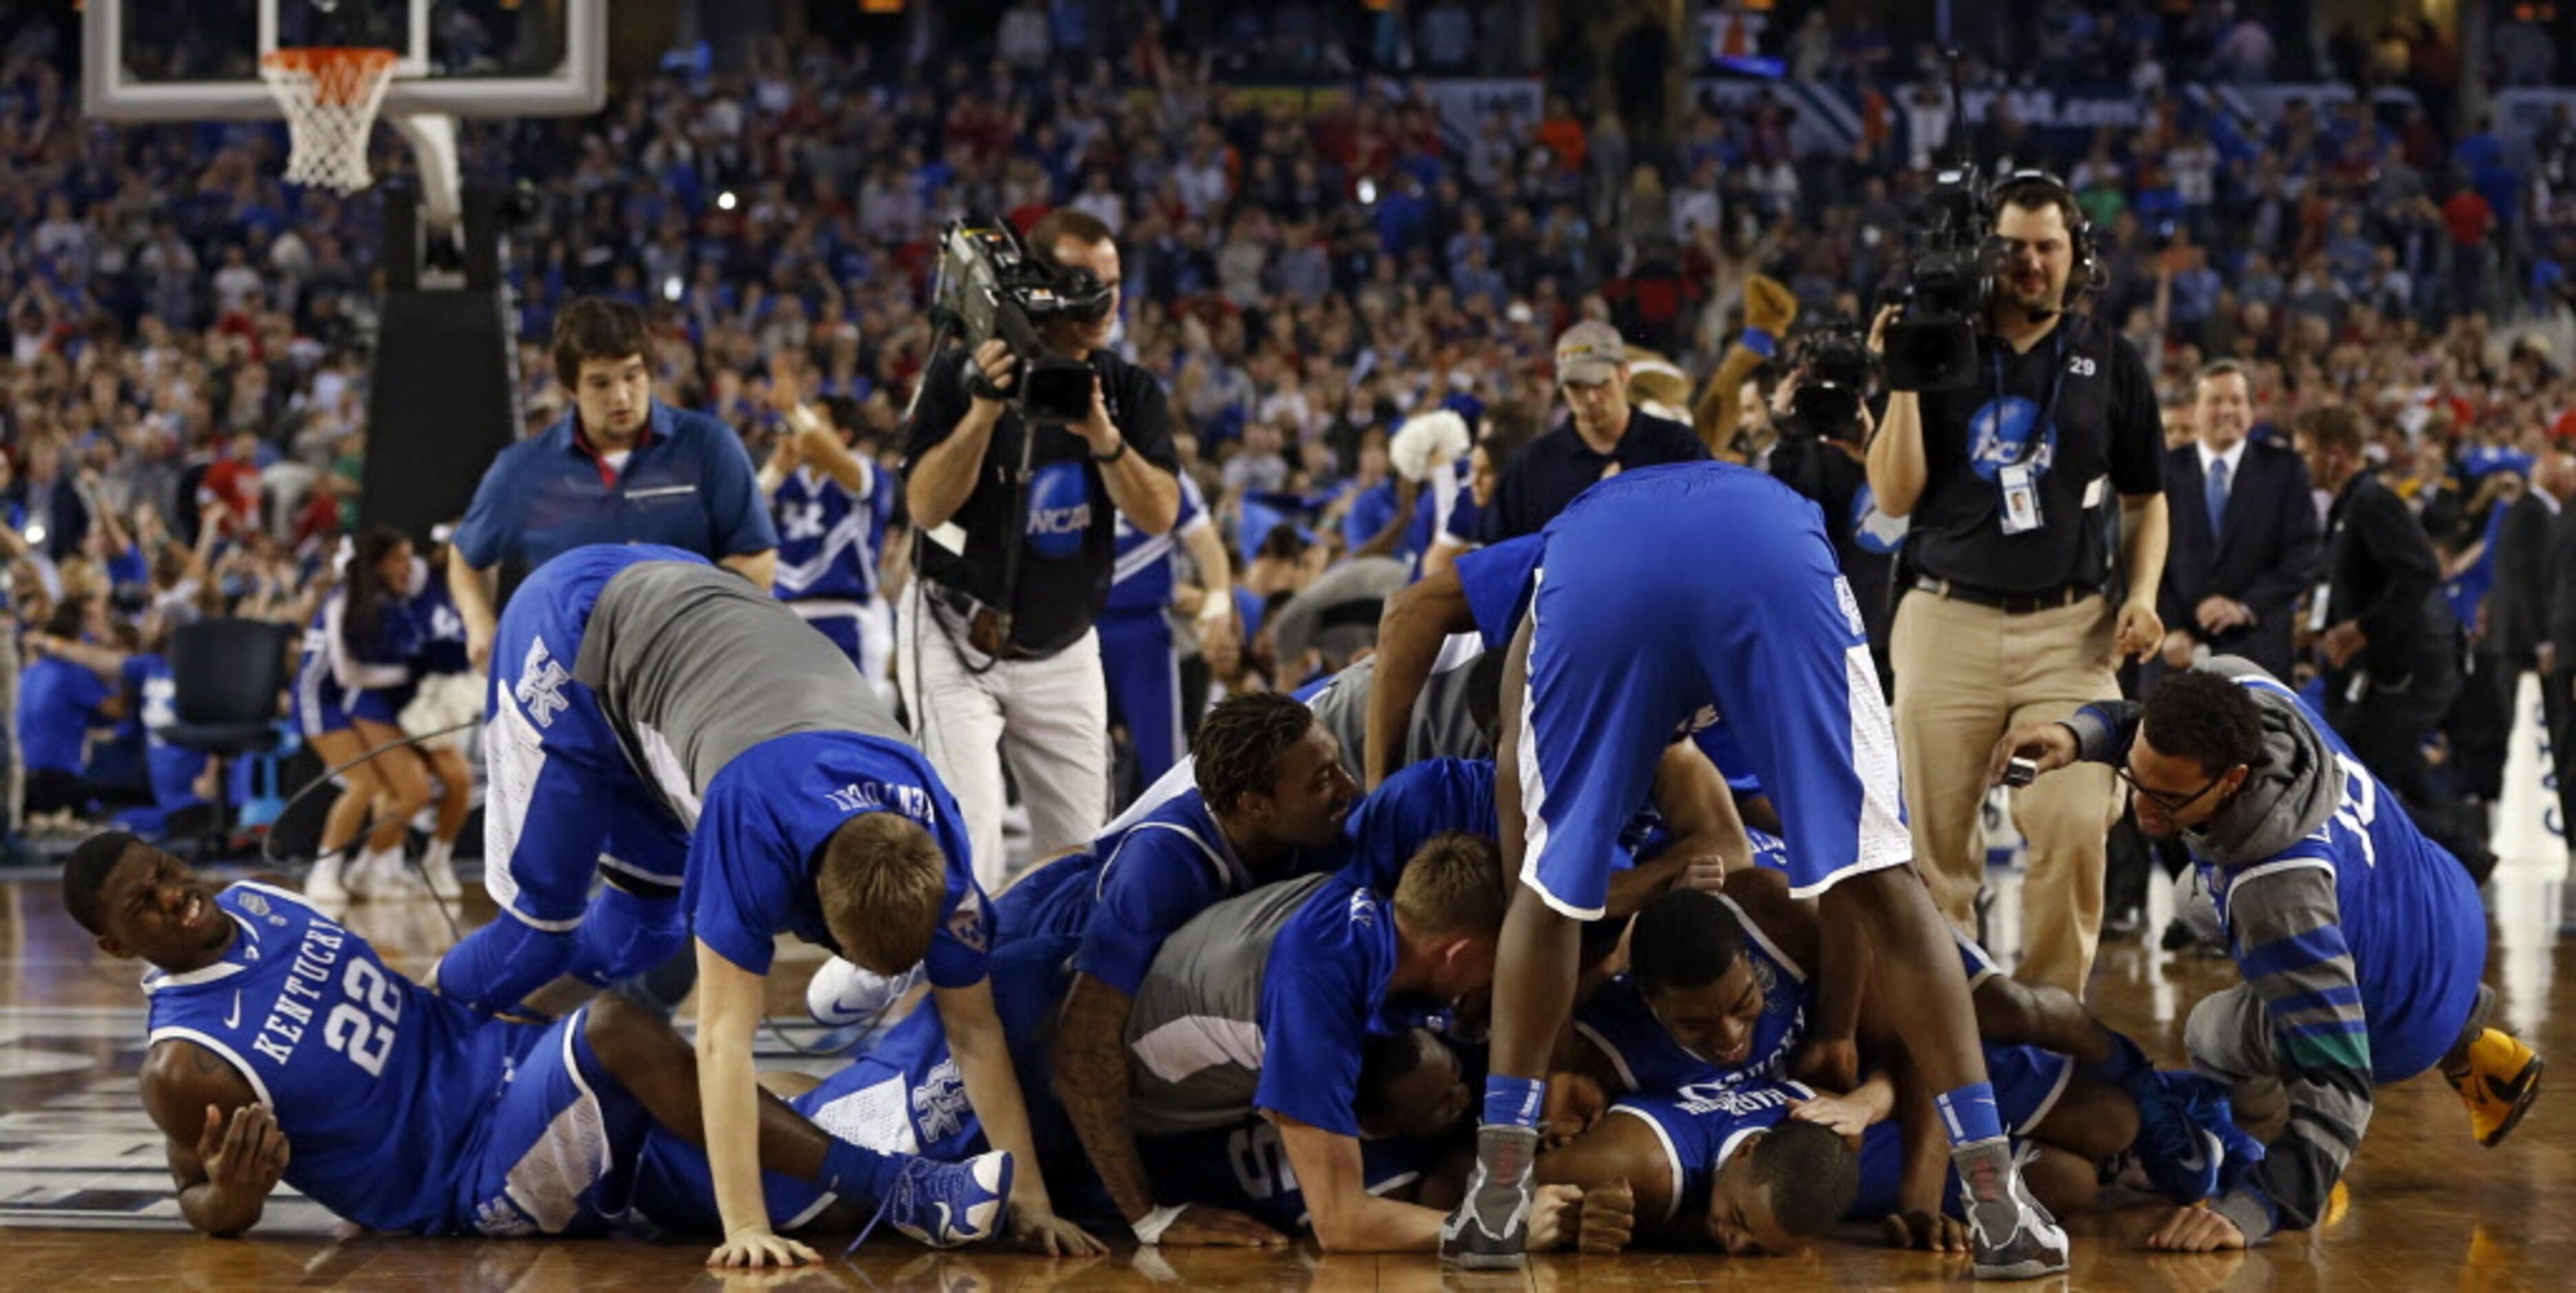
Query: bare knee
(630,1040)
(2007,1010)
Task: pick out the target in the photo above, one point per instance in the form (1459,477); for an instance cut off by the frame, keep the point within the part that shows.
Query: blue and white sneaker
(2213,1113)
(2178,1151)
(946,1205)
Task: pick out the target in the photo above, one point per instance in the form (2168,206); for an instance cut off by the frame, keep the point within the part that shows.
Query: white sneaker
(325,883)
(842,995)
(385,877)
(438,869)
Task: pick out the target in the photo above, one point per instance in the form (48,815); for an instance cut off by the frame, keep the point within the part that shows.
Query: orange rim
(341,75)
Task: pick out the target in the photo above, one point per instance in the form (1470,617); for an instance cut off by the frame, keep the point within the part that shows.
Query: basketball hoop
(329,95)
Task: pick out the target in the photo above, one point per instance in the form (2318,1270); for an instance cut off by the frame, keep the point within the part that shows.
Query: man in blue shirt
(621,468)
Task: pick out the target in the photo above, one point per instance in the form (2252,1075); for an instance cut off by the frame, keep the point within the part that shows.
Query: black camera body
(1835,374)
(1945,287)
(991,285)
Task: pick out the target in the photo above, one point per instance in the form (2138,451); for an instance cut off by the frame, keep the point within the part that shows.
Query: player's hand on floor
(2195,1230)
(248,1155)
(1928,1232)
(1574,1103)
(1609,1219)
(1041,1231)
(2049,745)
(1847,1117)
(1556,1212)
(1826,1062)
(1200,1226)
(755,1247)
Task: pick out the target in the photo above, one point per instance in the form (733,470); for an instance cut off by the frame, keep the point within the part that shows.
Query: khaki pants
(1966,674)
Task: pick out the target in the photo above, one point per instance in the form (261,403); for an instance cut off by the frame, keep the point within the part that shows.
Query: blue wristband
(1760,342)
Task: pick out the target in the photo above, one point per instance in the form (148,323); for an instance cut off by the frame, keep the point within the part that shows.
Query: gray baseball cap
(1589,353)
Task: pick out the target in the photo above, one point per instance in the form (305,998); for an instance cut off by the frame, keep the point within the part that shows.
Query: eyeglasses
(2165,799)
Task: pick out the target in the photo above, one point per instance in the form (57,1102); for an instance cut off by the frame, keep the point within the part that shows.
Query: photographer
(1822,412)
(2027,587)
(998,648)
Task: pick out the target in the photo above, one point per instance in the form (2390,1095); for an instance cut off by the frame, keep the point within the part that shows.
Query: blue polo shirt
(689,483)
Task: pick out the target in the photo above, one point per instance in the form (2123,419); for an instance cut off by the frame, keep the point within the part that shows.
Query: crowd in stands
(183,398)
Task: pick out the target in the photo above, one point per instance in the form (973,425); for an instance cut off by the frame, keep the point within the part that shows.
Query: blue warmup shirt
(1323,992)
(2407,913)
(58,702)
(829,539)
(760,836)
(1769,636)
(689,484)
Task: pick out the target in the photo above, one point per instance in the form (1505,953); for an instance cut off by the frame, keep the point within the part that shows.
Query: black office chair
(227,674)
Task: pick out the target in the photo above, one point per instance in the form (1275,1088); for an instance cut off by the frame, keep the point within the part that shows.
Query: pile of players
(1670,921)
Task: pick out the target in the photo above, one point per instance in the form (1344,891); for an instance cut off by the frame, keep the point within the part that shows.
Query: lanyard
(2048,411)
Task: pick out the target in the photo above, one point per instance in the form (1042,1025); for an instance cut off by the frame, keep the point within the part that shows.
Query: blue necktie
(2217,494)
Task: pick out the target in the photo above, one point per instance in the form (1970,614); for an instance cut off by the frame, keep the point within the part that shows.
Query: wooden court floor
(85,1200)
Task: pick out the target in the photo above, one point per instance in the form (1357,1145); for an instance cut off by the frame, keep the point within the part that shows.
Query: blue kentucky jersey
(2409,913)
(1141,579)
(1323,993)
(1133,889)
(1646,1058)
(378,1083)
(829,540)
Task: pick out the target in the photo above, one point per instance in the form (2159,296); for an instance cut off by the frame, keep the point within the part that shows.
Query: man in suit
(2390,646)
(2246,537)
(2246,544)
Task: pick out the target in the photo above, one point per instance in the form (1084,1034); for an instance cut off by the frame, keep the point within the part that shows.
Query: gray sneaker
(2015,1238)
(1490,1230)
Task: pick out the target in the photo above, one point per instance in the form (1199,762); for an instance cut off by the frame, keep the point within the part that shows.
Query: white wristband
(1214,609)
(1149,1228)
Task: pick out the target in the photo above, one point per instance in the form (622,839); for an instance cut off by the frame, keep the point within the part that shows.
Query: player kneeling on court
(2363,944)
(660,721)
(283,1048)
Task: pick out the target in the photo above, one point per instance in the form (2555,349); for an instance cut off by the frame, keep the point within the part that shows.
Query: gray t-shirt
(693,665)
(1194,1041)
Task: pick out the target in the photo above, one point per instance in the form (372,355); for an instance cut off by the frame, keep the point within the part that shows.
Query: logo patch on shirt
(966,924)
(540,686)
(939,1104)
(1059,510)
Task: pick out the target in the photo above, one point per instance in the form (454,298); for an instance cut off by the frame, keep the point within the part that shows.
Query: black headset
(2087,272)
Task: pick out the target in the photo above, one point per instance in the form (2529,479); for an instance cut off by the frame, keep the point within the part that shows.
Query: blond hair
(882,883)
(1453,886)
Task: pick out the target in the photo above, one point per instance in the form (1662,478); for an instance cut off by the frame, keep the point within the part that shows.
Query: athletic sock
(1968,1114)
(439,851)
(855,1172)
(1517,1102)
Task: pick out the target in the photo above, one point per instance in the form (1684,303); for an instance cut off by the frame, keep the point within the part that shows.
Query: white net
(330,98)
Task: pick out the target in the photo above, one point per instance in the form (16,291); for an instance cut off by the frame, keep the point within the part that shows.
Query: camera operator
(999,652)
(1821,410)
(2026,585)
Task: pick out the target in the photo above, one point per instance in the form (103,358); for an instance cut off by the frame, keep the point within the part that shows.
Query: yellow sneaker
(2502,1081)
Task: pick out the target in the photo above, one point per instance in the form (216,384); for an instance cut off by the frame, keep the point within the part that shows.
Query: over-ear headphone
(2037,185)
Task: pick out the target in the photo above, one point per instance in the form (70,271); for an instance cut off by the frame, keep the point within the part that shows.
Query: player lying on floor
(1716,996)
(659,720)
(2363,944)
(283,1048)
